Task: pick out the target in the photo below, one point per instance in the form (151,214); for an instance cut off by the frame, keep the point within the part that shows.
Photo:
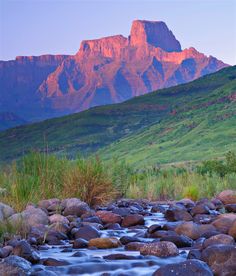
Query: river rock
(189,267)
(132,220)
(15,265)
(188,229)
(80,243)
(109,217)
(87,232)
(134,246)
(57,218)
(221,259)
(200,209)
(127,239)
(160,249)
(218,239)
(55,262)
(5,251)
(180,241)
(34,216)
(104,243)
(24,250)
(232,230)
(46,203)
(176,214)
(224,223)
(75,207)
(230,208)
(227,196)
(5,211)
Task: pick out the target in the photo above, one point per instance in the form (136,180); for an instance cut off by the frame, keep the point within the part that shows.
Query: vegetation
(193,121)
(40,176)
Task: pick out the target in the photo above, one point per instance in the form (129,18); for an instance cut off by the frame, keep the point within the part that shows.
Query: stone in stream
(104,243)
(221,259)
(232,230)
(188,229)
(55,262)
(80,243)
(53,237)
(134,246)
(176,214)
(87,232)
(224,222)
(194,254)
(189,267)
(160,249)
(24,250)
(109,217)
(121,257)
(75,207)
(227,196)
(5,251)
(132,220)
(200,209)
(231,208)
(153,228)
(127,239)
(180,241)
(161,234)
(15,265)
(218,239)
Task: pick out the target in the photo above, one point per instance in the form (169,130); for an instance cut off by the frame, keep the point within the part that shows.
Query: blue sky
(35,27)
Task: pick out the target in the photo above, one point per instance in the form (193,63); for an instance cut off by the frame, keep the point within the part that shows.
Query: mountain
(189,121)
(103,71)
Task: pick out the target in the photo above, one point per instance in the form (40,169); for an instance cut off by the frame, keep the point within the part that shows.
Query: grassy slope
(189,121)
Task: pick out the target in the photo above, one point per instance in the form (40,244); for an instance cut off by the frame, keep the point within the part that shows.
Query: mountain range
(191,121)
(104,71)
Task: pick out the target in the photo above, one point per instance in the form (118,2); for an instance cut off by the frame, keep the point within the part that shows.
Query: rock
(160,249)
(87,232)
(121,211)
(176,214)
(34,216)
(24,250)
(153,228)
(113,226)
(188,229)
(56,218)
(189,267)
(200,209)
(55,262)
(75,207)
(104,243)
(15,266)
(204,218)
(134,246)
(109,217)
(180,241)
(162,234)
(221,259)
(231,208)
(194,254)
(54,237)
(218,203)
(121,257)
(218,239)
(5,251)
(232,230)
(223,224)
(46,203)
(132,220)
(80,243)
(5,211)
(188,203)
(227,196)
(93,219)
(60,227)
(127,239)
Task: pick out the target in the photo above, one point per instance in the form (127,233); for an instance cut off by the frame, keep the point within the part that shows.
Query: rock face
(103,71)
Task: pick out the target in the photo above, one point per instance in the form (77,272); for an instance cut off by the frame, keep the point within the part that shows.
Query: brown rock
(160,249)
(104,243)
(218,239)
(133,220)
(188,229)
(227,196)
(108,217)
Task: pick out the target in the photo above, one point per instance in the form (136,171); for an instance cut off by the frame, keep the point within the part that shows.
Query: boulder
(5,211)
(218,239)
(227,196)
(104,243)
(132,220)
(57,218)
(34,216)
(232,230)
(179,241)
(188,229)
(55,262)
(46,203)
(80,243)
(134,246)
(177,214)
(15,265)
(87,232)
(75,207)
(189,267)
(5,251)
(24,250)
(224,223)
(109,217)
(160,249)
(221,259)
(127,239)
(230,208)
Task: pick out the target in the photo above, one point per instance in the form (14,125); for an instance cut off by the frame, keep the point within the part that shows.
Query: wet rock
(80,243)
(55,262)
(218,239)
(227,196)
(160,249)
(132,220)
(232,230)
(93,219)
(109,217)
(200,209)
(189,267)
(87,232)
(121,257)
(180,241)
(188,229)
(104,243)
(5,251)
(176,214)
(194,254)
(53,237)
(153,228)
(205,228)
(57,218)
(24,250)
(158,209)
(162,234)
(15,266)
(223,223)
(231,208)
(134,246)
(112,226)
(218,204)
(209,234)
(204,218)
(5,211)
(127,239)
(188,203)
(221,259)
(121,211)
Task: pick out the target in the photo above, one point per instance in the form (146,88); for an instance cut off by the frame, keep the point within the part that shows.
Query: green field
(193,121)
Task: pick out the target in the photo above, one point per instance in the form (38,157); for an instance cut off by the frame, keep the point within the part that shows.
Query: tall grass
(40,176)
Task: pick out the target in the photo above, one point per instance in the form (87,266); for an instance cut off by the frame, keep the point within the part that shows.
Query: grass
(193,121)
(40,176)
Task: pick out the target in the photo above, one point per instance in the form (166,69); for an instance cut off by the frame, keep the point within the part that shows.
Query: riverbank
(124,237)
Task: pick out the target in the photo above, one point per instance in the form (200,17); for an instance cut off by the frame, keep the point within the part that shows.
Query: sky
(35,27)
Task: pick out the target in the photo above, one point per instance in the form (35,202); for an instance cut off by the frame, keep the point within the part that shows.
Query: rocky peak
(111,46)
(155,33)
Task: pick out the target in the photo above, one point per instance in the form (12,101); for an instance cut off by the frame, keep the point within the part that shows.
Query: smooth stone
(180,241)
(24,250)
(104,243)
(231,208)
(227,196)
(55,262)
(15,265)
(132,220)
(57,218)
(109,217)
(189,229)
(218,239)
(80,243)
(177,214)
(160,249)
(232,230)
(87,232)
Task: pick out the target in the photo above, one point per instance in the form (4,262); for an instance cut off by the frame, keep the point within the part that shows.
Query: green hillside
(186,122)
